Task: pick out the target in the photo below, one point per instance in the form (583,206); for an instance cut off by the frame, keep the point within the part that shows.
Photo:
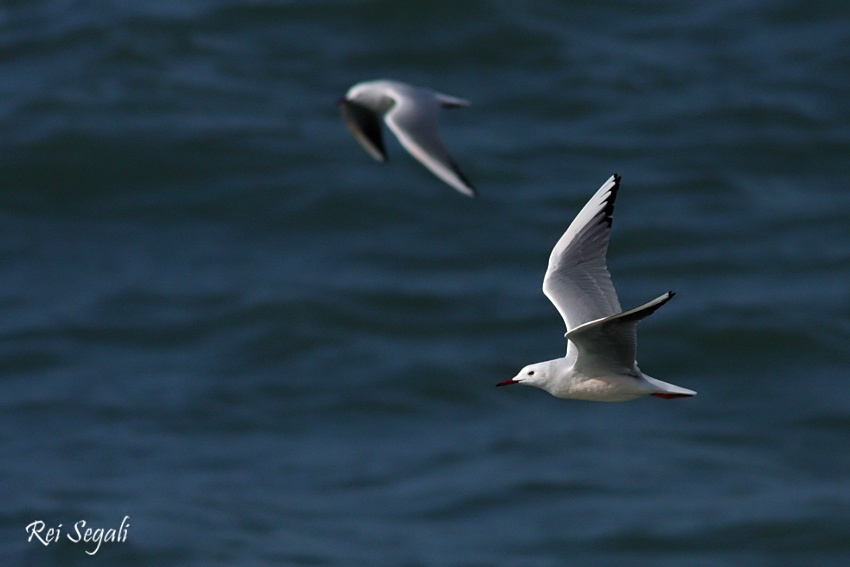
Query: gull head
(532,375)
(371,95)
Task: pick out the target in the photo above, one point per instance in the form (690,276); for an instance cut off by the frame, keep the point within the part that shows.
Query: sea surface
(224,324)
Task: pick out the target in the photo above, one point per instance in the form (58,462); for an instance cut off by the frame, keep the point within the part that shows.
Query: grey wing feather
(611,342)
(577,280)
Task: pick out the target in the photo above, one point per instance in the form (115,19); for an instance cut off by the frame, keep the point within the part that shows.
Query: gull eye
(531,372)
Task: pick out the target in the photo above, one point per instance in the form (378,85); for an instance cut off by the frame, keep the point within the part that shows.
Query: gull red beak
(507,382)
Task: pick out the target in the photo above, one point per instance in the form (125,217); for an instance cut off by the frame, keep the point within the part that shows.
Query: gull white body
(601,339)
(411,113)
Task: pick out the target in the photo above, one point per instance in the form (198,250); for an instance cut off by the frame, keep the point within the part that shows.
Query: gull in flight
(411,113)
(601,339)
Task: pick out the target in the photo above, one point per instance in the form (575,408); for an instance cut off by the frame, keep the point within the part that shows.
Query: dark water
(220,318)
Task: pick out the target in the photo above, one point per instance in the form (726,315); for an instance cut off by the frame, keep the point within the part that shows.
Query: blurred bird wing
(366,127)
(414,122)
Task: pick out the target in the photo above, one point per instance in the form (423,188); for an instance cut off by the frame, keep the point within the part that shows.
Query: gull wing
(609,344)
(414,122)
(366,127)
(577,280)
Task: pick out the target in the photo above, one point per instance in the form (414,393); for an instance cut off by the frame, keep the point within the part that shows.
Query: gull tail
(666,390)
(448,101)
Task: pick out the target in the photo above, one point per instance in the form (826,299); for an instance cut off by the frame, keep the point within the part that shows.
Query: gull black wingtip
(466,186)
(614,189)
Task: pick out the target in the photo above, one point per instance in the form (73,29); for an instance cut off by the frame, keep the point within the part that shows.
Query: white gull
(601,339)
(411,113)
